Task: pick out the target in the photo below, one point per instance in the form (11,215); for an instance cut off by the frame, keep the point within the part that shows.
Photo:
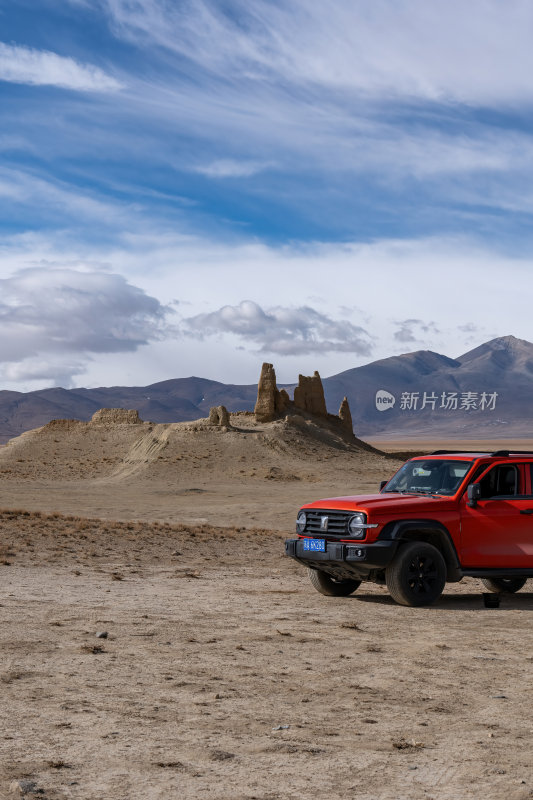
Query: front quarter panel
(387,509)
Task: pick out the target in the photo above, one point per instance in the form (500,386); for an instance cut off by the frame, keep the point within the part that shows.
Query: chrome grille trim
(337,521)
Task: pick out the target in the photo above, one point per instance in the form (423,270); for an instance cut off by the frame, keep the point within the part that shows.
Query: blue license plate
(317,545)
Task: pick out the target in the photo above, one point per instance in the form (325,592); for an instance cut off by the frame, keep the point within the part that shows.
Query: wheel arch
(430,531)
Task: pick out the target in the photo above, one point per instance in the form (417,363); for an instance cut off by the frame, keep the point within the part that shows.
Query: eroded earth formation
(273,403)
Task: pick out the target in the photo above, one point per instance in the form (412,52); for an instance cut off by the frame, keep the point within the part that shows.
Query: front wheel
(417,574)
(499,585)
(330,586)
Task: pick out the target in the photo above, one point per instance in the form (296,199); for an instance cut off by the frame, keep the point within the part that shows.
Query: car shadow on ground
(523,601)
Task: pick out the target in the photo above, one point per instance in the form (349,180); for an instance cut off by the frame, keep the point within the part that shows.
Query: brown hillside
(247,474)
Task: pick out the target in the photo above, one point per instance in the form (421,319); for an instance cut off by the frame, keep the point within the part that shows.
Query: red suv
(441,517)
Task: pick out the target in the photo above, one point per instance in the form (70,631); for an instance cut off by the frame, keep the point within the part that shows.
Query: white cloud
(451,282)
(20,64)
(282,330)
(53,319)
(229,168)
(43,372)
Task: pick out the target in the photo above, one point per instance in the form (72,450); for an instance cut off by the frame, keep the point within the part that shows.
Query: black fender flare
(429,530)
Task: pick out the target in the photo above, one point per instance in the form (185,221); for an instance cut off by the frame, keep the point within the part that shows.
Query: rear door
(498,532)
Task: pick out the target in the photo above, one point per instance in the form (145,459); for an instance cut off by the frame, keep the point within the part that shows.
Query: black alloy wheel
(417,574)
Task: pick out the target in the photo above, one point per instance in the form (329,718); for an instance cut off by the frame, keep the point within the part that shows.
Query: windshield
(429,477)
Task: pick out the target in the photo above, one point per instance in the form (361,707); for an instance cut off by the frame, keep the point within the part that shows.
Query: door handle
(526,511)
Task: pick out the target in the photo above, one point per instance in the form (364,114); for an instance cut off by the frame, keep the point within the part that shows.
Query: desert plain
(156,642)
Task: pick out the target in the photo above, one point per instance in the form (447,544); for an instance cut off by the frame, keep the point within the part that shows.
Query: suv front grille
(337,522)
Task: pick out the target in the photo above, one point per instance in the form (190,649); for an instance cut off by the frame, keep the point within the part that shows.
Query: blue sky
(196,187)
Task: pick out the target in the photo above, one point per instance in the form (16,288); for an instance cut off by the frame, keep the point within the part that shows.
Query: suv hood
(373,503)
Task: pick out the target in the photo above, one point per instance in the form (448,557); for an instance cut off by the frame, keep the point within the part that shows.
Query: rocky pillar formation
(345,415)
(282,401)
(218,415)
(265,407)
(309,395)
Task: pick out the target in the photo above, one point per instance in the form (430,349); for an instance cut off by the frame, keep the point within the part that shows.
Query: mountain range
(486,392)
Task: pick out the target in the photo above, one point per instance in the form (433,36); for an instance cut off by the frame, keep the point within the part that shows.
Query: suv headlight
(355,525)
(301,522)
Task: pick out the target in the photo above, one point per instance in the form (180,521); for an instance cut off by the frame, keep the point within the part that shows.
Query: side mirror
(382,485)
(473,493)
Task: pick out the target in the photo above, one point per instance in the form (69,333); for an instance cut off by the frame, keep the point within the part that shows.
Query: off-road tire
(326,584)
(499,585)
(417,574)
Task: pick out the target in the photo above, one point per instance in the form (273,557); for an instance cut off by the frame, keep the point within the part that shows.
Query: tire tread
(329,587)
(501,585)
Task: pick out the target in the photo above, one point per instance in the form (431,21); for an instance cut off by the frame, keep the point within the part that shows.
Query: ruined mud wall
(308,399)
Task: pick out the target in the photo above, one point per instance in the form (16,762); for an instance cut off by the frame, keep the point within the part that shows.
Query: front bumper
(345,560)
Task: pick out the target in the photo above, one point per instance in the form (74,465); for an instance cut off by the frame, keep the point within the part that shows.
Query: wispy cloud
(388,49)
(46,198)
(320,132)
(229,168)
(383,91)
(282,330)
(322,94)
(20,64)
(411,331)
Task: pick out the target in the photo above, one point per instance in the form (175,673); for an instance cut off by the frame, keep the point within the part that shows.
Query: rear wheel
(417,574)
(330,586)
(498,585)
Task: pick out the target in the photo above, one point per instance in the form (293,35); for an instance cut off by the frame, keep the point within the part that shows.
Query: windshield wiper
(412,491)
(402,491)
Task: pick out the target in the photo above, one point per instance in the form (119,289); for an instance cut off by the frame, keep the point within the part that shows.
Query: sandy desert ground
(223,674)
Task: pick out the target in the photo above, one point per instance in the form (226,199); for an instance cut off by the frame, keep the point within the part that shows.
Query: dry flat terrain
(473,445)
(221,673)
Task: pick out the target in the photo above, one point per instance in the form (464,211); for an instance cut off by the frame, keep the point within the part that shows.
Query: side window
(477,472)
(501,481)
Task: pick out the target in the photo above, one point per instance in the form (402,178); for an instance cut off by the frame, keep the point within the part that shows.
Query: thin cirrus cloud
(53,320)
(52,199)
(367,96)
(384,90)
(20,64)
(438,52)
(282,330)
